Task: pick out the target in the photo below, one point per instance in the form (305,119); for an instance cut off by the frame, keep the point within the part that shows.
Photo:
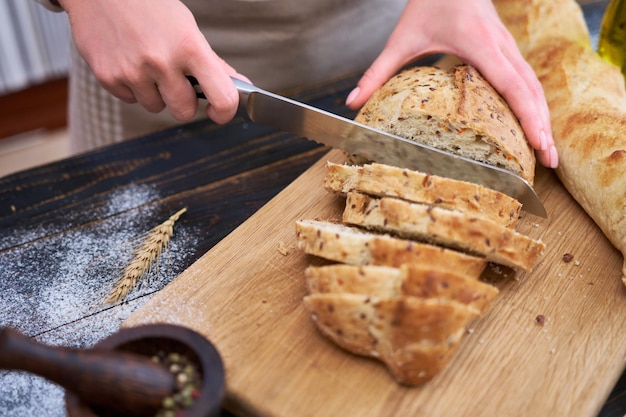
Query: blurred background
(34,55)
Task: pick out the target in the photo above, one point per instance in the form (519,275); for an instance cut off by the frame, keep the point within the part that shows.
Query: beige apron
(278,44)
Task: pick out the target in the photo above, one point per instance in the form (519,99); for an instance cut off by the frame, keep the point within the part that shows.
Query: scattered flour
(51,289)
(27,395)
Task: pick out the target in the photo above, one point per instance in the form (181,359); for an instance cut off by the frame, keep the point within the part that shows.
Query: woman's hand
(473,32)
(141,52)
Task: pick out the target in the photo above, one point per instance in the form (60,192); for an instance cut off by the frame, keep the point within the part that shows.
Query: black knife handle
(244,89)
(196,86)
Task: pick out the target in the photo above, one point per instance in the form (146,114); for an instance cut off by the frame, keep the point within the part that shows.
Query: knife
(266,108)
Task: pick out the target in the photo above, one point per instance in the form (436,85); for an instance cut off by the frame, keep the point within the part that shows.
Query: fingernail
(544,141)
(353,94)
(554,157)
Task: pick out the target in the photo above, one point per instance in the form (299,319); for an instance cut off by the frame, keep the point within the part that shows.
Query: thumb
(381,70)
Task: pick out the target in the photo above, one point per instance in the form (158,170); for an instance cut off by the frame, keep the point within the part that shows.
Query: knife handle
(243,88)
(196,86)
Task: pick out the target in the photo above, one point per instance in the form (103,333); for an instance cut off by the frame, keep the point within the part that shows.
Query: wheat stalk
(144,258)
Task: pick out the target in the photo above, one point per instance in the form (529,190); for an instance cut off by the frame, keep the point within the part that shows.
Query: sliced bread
(409,279)
(354,246)
(450,228)
(415,337)
(387,181)
(457,111)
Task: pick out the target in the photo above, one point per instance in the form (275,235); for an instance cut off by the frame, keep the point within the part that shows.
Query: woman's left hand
(473,32)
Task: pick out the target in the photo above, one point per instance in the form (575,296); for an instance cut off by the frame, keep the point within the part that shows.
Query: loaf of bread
(455,110)
(587,100)
(408,280)
(403,280)
(387,181)
(353,246)
(403,285)
(415,337)
(451,228)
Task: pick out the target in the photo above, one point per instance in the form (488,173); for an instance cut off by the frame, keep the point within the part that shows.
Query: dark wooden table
(68,227)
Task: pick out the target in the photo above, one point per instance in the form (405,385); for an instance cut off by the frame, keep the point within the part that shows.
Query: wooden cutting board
(245,295)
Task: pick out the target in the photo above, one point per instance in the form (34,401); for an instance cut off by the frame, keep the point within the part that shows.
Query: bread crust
(535,22)
(387,181)
(451,228)
(340,243)
(409,279)
(414,337)
(457,111)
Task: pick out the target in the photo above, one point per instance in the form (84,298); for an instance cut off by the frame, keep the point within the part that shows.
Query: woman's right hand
(142,52)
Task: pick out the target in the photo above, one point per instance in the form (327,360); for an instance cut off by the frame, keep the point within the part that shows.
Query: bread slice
(414,337)
(407,280)
(457,111)
(451,228)
(350,245)
(388,181)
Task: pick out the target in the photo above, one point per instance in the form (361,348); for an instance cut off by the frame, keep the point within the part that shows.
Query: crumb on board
(283,249)
(568,257)
(540,319)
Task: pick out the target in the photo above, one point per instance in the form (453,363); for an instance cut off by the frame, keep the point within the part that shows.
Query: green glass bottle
(612,37)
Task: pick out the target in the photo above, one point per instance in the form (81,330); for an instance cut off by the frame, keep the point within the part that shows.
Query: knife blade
(264,107)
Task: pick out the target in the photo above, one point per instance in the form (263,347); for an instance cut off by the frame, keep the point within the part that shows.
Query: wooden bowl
(148,340)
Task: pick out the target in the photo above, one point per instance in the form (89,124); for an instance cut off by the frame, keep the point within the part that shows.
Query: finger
(222,105)
(525,71)
(382,69)
(122,92)
(548,158)
(534,119)
(117,89)
(520,94)
(213,75)
(534,87)
(130,86)
(179,96)
(148,95)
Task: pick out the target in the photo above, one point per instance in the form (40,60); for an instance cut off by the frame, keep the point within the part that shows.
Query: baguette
(349,245)
(457,111)
(450,228)
(408,280)
(587,100)
(387,181)
(414,337)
